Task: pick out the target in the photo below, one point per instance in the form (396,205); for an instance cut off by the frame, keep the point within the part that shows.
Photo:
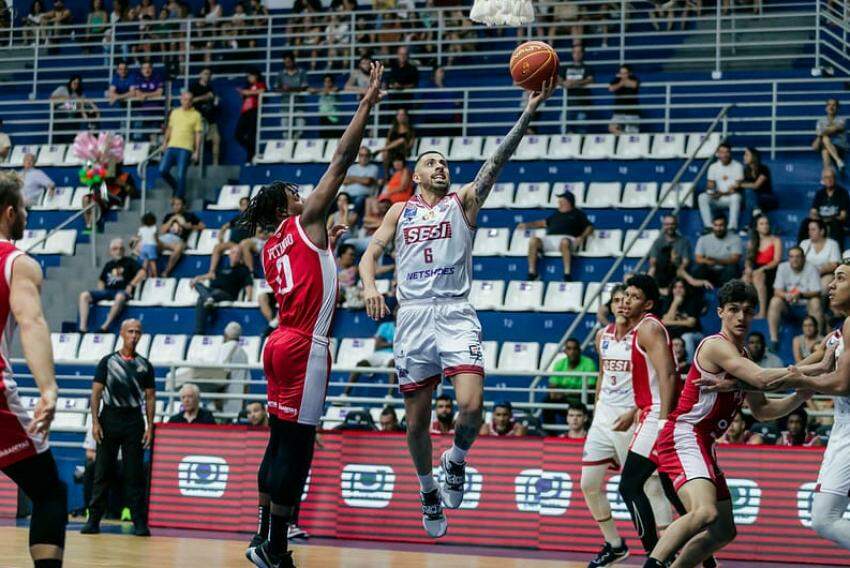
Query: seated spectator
(670,253)
(121,87)
(576,80)
(256,414)
(291,79)
(191,410)
(574,361)
(400,139)
(206,103)
(361,180)
(401,76)
(5,144)
(717,254)
(375,211)
(821,252)
(56,19)
(175,230)
(739,433)
(764,251)
(625,86)
(796,430)
(756,186)
(680,354)
(682,310)
(831,136)
(358,81)
(721,189)
(225,285)
(72,111)
(382,356)
(350,295)
(567,230)
(399,187)
(117,282)
(797,284)
(231,352)
(502,422)
(577,418)
(830,205)
(35,183)
(240,236)
(389,420)
(344,214)
(804,344)
(759,354)
(444,413)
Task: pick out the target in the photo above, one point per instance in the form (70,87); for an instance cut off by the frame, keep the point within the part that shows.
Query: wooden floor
(123,551)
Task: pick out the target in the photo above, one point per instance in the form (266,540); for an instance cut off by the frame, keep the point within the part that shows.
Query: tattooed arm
(474,194)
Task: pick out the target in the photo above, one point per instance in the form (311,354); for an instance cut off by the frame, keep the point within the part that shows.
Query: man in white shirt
(36,182)
(797,283)
(361,180)
(721,191)
(232,353)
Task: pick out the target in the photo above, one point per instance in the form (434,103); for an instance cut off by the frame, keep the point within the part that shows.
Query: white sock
(457,455)
(427,483)
(828,518)
(609,531)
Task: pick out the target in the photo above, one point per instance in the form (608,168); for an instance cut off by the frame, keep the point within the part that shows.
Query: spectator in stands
(291,79)
(389,420)
(148,88)
(256,414)
(756,187)
(670,253)
(225,285)
(236,233)
(361,180)
(124,382)
(682,310)
(148,239)
(577,418)
(717,254)
(804,344)
(35,183)
(739,433)
(5,144)
(683,361)
(181,143)
(191,411)
(358,81)
(625,86)
(72,111)
(724,176)
(246,126)
(175,230)
(502,422)
(576,81)
(821,252)
(569,223)
(344,214)
(206,103)
(830,205)
(573,361)
(55,22)
(831,136)
(399,186)
(96,22)
(328,108)
(444,413)
(34,22)
(118,281)
(232,353)
(402,75)
(759,353)
(400,139)
(121,87)
(350,295)
(796,431)
(376,208)
(268,308)
(764,252)
(797,284)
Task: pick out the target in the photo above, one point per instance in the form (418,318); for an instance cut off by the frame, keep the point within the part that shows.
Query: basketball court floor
(167,549)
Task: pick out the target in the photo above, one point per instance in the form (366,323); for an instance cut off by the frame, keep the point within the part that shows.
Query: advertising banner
(8,498)
(520,492)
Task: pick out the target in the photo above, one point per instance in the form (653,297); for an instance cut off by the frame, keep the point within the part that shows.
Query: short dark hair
(578,406)
(573,340)
(445,397)
(718,217)
(345,248)
(799,248)
(819,222)
(10,189)
(419,157)
(646,284)
(389,411)
(569,196)
(726,145)
(737,291)
(757,334)
(288,55)
(503,404)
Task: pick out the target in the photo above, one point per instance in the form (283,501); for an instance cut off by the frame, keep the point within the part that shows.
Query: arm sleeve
(100,371)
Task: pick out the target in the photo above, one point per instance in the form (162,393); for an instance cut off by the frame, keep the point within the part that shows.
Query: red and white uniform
(834,476)
(15,443)
(785,439)
(297,358)
(686,443)
(647,391)
(437,330)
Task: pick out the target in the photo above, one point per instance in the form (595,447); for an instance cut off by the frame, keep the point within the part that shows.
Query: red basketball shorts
(297,369)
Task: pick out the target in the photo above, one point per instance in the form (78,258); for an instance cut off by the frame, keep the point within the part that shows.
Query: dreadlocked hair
(267,207)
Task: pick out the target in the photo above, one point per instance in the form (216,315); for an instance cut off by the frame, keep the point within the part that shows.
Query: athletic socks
(653,563)
(609,531)
(457,455)
(278,526)
(263,520)
(427,483)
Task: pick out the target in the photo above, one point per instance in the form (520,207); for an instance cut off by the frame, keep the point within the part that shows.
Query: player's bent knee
(706,515)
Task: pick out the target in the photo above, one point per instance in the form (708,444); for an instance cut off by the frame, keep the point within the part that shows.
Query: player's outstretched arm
(723,354)
(765,409)
(653,340)
(836,382)
(25,303)
(317,205)
(476,192)
(376,307)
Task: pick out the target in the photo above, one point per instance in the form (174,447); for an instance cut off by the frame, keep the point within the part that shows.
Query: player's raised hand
(376,307)
(335,233)
(538,97)
(373,93)
(45,410)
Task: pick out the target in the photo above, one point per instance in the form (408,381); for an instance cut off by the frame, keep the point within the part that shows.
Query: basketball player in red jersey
(24,454)
(712,394)
(300,269)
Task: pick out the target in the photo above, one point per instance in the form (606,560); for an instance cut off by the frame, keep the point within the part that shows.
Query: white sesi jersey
(433,250)
(842,403)
(616,389)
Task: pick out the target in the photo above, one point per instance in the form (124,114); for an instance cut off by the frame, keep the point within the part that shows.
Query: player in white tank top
(437,331)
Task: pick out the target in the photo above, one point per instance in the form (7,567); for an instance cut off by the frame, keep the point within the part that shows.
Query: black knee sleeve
(268,457)
(49,517)
(290,463)
(636,471)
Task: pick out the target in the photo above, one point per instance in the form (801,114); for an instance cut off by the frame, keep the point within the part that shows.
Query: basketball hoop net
(502,12)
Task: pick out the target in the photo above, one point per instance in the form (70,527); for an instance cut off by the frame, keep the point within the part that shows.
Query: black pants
(246,132)
(289,462)
(123,429)
(717,276)
(38,477)
(202,311)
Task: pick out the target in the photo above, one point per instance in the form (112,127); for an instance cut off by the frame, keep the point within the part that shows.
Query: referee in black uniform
(124,381)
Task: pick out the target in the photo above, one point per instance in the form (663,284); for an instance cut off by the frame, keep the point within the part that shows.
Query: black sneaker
(261,557)
(532,276)
(91,527)
(710,562)
(256,541)
(433,519)
(141,529)
(608,555)
(454,481)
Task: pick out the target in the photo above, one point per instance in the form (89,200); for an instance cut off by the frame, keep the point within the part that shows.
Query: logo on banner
(805,494)
(306,486)
(618,507)
(367,486)
(545,492)
(472,487)
(202,476)
(746,500)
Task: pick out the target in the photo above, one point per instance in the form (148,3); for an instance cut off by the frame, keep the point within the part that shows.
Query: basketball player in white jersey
(833,487)
(437,330)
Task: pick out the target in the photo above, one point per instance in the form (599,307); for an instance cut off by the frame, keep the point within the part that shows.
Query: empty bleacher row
(62,155)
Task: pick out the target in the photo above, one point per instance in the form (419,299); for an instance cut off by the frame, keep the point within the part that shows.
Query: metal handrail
(142,169)
(71,218)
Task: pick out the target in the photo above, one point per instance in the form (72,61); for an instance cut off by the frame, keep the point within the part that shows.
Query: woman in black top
(756,187)
(399,140)
(681,312)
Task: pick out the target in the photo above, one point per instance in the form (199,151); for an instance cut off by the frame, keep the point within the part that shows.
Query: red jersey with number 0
(303,279)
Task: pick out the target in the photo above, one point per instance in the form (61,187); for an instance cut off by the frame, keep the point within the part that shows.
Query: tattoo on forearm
(379,242)
(489,172)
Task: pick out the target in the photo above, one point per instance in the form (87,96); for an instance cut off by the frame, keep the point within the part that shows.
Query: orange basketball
(533,63)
